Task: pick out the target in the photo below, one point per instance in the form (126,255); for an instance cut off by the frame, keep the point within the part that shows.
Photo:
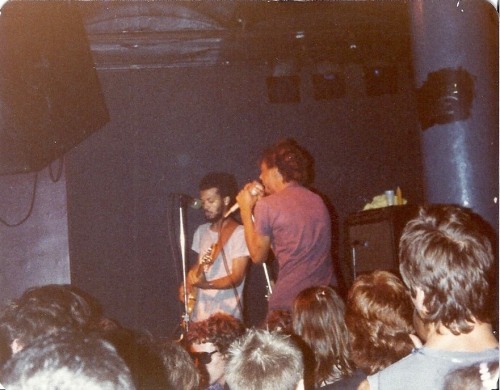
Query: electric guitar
(205,262)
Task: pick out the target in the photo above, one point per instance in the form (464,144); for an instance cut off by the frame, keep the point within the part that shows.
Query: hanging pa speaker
(50,96)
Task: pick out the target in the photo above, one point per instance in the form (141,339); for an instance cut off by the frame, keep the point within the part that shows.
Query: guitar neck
(207,259)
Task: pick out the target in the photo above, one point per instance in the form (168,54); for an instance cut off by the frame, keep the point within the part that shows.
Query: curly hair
(220,329)
(318,319)
(446,252)
(293,161)
(379,319)
(224,182)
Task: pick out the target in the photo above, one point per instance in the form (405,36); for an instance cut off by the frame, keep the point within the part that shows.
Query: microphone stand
(182,243)
(355,244)
(266,274)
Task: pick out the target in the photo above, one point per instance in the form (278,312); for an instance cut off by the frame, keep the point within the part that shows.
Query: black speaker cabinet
(50,96)
(373,238)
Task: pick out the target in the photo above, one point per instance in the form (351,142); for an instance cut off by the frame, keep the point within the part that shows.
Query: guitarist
(215,283)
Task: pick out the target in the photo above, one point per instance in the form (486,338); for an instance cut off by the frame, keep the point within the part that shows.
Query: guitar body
(205,262)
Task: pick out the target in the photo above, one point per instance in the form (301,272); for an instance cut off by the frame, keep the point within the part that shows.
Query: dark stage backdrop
(168,127)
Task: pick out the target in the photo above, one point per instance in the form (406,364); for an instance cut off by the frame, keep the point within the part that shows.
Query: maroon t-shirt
(298,223)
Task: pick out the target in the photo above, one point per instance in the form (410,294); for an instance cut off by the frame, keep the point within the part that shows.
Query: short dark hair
(67,361)
(263,360)
(180,371)
(224,182)
(43,310)
(482,375)
(445,252)
(293,161)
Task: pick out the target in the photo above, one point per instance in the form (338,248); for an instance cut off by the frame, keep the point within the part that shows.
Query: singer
(290,219)
(215,283)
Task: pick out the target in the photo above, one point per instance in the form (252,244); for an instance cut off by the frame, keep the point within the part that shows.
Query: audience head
(140,352)
(67,361)
(318,318)
(41,311)
(263,360)
(279,321)
(179,367)
(446,260)
(480,376)
(294,163)
(208,342)
(379,318)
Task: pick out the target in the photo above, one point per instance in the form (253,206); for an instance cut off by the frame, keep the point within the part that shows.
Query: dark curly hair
(220,329)
(293,161)
(224,182)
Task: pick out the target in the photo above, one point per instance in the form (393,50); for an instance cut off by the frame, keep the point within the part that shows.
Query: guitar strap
(224,236)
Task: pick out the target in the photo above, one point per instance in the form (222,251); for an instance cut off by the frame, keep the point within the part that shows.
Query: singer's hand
(249,195)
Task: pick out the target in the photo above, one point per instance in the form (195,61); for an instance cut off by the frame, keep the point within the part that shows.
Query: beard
(215,217)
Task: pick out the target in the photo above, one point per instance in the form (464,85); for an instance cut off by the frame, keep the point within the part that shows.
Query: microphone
(187,200)
(359,243)
(236,206)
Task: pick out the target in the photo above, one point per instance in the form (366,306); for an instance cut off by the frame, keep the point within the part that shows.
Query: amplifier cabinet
(373,238)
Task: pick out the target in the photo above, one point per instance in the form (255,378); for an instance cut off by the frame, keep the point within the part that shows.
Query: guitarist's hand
(196,279)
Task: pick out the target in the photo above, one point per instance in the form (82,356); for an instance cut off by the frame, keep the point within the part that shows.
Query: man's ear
(16,346)
(226,200)
(418,301)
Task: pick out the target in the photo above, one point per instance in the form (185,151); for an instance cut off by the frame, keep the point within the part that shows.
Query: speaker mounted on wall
(373,238)
(50,96)
(283,89)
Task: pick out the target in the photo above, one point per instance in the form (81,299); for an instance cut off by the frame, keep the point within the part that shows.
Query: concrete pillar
(455,59)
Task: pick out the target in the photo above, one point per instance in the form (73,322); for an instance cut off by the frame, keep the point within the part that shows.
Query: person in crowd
(40,311)
(263,360)
(208,342)
(479,376)
(446,261)
(282,213)
(67,360)
(216,282)
(140,351)
(318,319)
(379,318)
(180,370)
(279,321)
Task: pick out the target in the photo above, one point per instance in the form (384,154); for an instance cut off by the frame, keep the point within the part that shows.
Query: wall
(35,252)
(171,126)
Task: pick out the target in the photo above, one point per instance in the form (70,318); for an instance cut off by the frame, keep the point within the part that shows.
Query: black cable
(56,178)
(35,185)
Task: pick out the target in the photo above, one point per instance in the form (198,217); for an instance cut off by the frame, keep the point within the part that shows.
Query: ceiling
(157,34)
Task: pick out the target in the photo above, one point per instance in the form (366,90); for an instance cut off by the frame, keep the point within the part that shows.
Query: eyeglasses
(203,357)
